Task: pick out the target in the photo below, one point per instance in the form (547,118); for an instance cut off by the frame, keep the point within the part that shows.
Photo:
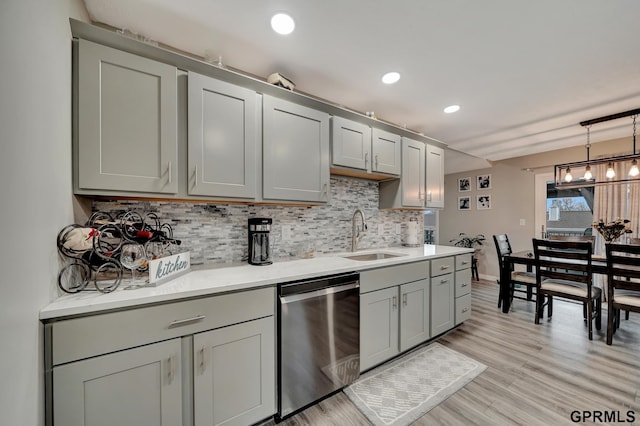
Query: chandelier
(600,171)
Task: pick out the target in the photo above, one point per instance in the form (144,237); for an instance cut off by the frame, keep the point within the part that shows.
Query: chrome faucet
(355,231)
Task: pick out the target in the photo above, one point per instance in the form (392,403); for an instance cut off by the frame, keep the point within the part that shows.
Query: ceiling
(525,73)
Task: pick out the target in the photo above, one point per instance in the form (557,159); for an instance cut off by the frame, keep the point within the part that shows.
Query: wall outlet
(380,229)
(523,222)
(286,233)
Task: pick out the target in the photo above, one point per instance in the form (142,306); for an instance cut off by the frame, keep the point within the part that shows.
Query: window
(569,211)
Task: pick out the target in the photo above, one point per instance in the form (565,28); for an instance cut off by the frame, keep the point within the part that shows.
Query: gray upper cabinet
(413,173)
(295,152)
(435,177)
(224,132)
(408,191)
(350,144)
(127,122)
(385,150)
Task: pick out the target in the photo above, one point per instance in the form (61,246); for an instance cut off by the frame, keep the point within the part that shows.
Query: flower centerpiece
(611,231)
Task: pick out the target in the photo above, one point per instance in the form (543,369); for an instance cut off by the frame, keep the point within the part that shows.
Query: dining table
(527,258)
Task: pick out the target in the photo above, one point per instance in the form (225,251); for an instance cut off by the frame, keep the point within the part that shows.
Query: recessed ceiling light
(390,77)
(452,108)
(282,23)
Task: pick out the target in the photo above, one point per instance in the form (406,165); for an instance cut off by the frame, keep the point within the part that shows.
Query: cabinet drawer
(463,282)
(442,266)
(89,336)
(376,279)
(463,261)
(463,308)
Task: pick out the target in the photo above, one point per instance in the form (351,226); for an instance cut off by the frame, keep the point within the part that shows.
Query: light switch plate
(523,222)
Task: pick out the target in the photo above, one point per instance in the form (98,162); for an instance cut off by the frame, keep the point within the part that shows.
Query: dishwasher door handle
(318,293)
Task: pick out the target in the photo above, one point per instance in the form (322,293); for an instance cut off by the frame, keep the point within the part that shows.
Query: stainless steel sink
(372,256)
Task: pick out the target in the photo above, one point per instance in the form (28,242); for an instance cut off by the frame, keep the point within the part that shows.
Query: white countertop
(218,279)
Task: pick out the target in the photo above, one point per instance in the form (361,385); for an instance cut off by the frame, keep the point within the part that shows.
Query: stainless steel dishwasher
(318,339)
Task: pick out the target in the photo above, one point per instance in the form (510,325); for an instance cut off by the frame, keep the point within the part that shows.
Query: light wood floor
(536,375)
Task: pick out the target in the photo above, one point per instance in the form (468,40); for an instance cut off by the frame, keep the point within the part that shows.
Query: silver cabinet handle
(465,284)
(169,172)
(202,363)
(170,367)
(444,281)
(394,302)
(376,161)
(366,158)
(465,310)
(404,299)
(443,267)
(464,262)
(185,321)
(428,195)
(195,176)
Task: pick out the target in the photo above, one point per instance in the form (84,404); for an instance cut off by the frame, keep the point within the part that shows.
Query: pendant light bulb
(610,172)
(633,172)
(587,173)
(568,177)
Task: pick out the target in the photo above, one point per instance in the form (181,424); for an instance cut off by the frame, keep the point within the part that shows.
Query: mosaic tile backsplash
(217,233)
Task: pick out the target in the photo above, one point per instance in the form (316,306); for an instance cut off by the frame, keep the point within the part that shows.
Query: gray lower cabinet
(224,136)
(141,386)
(126,122)
(295,152)
(378,327)
(442,295)
(463,288)
(393,316)
(205,361)
(234,378)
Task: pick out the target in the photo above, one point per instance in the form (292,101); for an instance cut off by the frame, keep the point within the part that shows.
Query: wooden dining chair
(563,269)
(623,291)
(518,278)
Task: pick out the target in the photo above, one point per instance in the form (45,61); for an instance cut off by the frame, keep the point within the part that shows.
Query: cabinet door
(435,177)
(295,152)
(223,136)
(442,310)
(127,121)
(378,327)
(413,164)
(234,374)
(386,152)
(350,144)
(414,314)
(141,386)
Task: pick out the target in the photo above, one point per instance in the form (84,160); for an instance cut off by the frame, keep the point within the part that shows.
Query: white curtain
(613,201)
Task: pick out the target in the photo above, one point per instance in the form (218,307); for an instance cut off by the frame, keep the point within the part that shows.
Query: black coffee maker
(259,249)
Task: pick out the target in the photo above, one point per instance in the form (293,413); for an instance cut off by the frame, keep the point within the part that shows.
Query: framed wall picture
(483,202)
(483,182)
(464,184)
(464,203)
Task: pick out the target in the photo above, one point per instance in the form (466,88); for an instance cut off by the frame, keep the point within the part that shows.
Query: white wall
(513,199)
(35,188)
